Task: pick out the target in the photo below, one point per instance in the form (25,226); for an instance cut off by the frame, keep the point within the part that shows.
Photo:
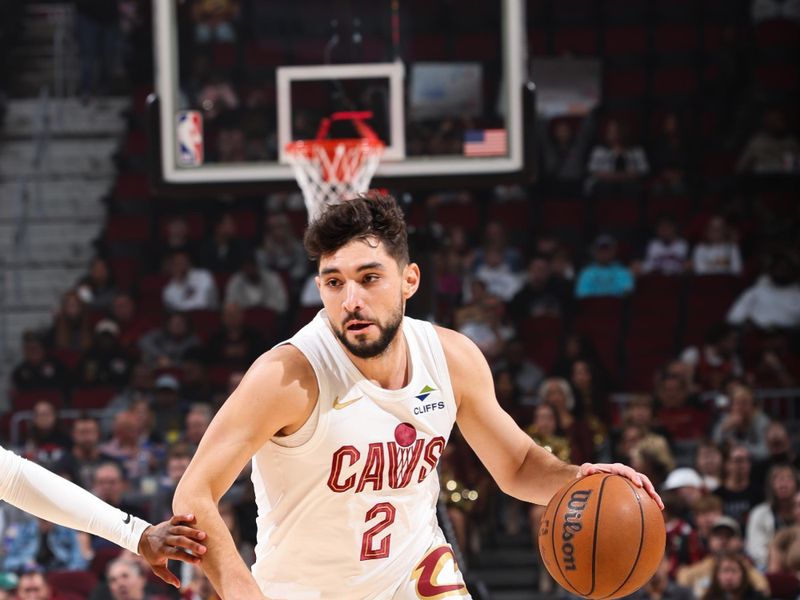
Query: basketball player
(36,490)
(345,423)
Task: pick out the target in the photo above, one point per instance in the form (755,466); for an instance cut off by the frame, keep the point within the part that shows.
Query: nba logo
(189,129)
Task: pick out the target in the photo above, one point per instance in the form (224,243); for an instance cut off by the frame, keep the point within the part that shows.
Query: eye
(371,278)
(332,283)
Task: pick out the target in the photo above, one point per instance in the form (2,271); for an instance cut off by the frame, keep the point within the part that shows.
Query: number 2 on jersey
(368,551)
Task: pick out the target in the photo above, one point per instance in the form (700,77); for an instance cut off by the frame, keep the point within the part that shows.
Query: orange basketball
(602,537)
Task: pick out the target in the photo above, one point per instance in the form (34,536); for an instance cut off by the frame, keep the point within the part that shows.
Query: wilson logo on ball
(572,525)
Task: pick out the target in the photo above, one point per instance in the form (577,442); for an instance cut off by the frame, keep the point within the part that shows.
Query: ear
(318,281)
(411,278)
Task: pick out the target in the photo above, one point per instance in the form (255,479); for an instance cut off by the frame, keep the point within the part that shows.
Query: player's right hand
(174,539)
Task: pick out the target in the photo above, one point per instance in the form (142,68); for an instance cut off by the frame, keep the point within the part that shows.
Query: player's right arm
(277,394)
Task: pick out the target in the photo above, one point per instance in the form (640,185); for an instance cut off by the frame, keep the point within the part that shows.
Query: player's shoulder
(285,361)
(461,353)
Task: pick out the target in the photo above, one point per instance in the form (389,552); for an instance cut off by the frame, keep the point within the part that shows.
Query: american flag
(485,142)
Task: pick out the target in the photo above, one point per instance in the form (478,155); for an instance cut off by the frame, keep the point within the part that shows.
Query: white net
(333,170)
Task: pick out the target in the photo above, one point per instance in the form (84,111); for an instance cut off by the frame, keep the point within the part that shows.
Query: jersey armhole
(440,361)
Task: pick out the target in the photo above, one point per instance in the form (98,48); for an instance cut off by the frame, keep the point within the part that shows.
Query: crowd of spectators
(650,334)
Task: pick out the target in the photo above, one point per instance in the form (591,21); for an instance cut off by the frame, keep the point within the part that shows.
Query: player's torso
(354,506)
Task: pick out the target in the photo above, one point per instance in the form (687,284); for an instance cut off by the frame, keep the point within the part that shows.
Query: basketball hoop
(332,170)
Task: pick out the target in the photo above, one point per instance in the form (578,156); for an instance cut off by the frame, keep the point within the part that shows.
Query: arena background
(661,138)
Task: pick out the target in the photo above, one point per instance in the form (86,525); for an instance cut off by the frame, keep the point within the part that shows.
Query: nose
(352,301)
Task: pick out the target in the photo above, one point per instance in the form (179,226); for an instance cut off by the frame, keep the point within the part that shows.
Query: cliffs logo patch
(429,406)
(424,393)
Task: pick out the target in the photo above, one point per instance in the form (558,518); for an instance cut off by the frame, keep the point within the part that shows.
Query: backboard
(446,83)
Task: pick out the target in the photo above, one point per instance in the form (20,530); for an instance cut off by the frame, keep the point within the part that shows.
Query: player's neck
(391,370)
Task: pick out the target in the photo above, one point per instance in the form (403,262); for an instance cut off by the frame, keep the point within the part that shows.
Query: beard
(388,331)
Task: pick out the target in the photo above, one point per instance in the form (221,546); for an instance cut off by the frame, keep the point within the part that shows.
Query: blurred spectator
(197,421)
(591,406)
(169,407)
(666,253)
(683,543)
(254,287)
(309,293)
(652,456)
(670,157)
(706,510)
(45,443)
(37,370)
(784,559)
(166,346)
(495,240)
(497,274)
(526,374)
(230,146)
(189,288)
(687,486)
(131,324)
(676,412)
(661,586)
(604,276)
(229,516)
(508,397)
(616,160)
(743,423)
(774,300)
(731,579)
(236,343)
(126,581)
(150,437)
(738,492)
(541,294)
(97,288)
(725,537)
(41,544)
(98,44)
(564,147)
(176,239)
(718,253)
(214,20)
(139,386)
(126,447)
(199,587)
(485,326)
(195,380)
(775,513)
(79,463)
(557,393)
(281,250)
(32,585)
(772,149)
(718,359)
(545,431)
(71,329)
(775,365)
(225,251)
(708,463)
(217,97)
(179,456)
(780,448)
(640,412)
(109,484)
(766,10)
(105,363)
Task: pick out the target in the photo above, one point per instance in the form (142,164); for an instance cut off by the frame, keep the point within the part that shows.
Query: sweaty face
(364,291)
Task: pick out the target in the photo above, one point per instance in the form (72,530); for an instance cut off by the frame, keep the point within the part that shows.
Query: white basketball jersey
(349,512)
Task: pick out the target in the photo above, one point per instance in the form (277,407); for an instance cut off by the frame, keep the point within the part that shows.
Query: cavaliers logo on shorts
(437,576)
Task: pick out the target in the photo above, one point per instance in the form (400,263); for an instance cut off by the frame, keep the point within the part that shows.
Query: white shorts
(435,576)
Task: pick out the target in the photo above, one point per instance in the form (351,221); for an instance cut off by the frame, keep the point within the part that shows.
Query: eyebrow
(365,267)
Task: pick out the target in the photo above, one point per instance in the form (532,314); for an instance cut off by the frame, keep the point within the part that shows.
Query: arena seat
(26,399)
(79,583)
(91,397)
(541,338)
(624,41)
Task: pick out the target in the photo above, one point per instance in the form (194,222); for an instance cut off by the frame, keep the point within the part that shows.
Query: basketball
(602,537)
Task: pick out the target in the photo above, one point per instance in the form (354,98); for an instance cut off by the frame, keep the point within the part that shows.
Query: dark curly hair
(371,215)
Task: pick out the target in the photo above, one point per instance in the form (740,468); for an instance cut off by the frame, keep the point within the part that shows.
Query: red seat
(624,83)
(128,228)
(675,207)
(777,76)
(67,357)
(195,224)
(616,213)
(80,583)
(150,292)
(309,50)
(675,81)
(515,215)
(581,41)
(625,41)
(224,55)
(131,185)
(708,301)
(91,397)
(675,38)
(246,223)
(265,53)
(262,319)
(540,337)
(562,213)
(477,46)
(125,270)
(426,47)
(135,143)
(464,214)
(26,399)
(778,33)
(601,320)
(205,322)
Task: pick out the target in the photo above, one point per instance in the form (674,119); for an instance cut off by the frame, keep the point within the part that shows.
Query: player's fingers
(189,532)
(178,542)
(187,519)
(651,490)
(166,575)
(183,556)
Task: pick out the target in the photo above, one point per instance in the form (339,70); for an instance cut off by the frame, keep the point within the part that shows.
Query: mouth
(357,326)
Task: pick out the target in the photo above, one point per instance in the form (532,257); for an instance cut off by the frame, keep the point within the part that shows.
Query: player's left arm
(520,467)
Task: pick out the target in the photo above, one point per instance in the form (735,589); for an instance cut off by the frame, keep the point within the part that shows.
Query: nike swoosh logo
(344,404)
(127,519)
